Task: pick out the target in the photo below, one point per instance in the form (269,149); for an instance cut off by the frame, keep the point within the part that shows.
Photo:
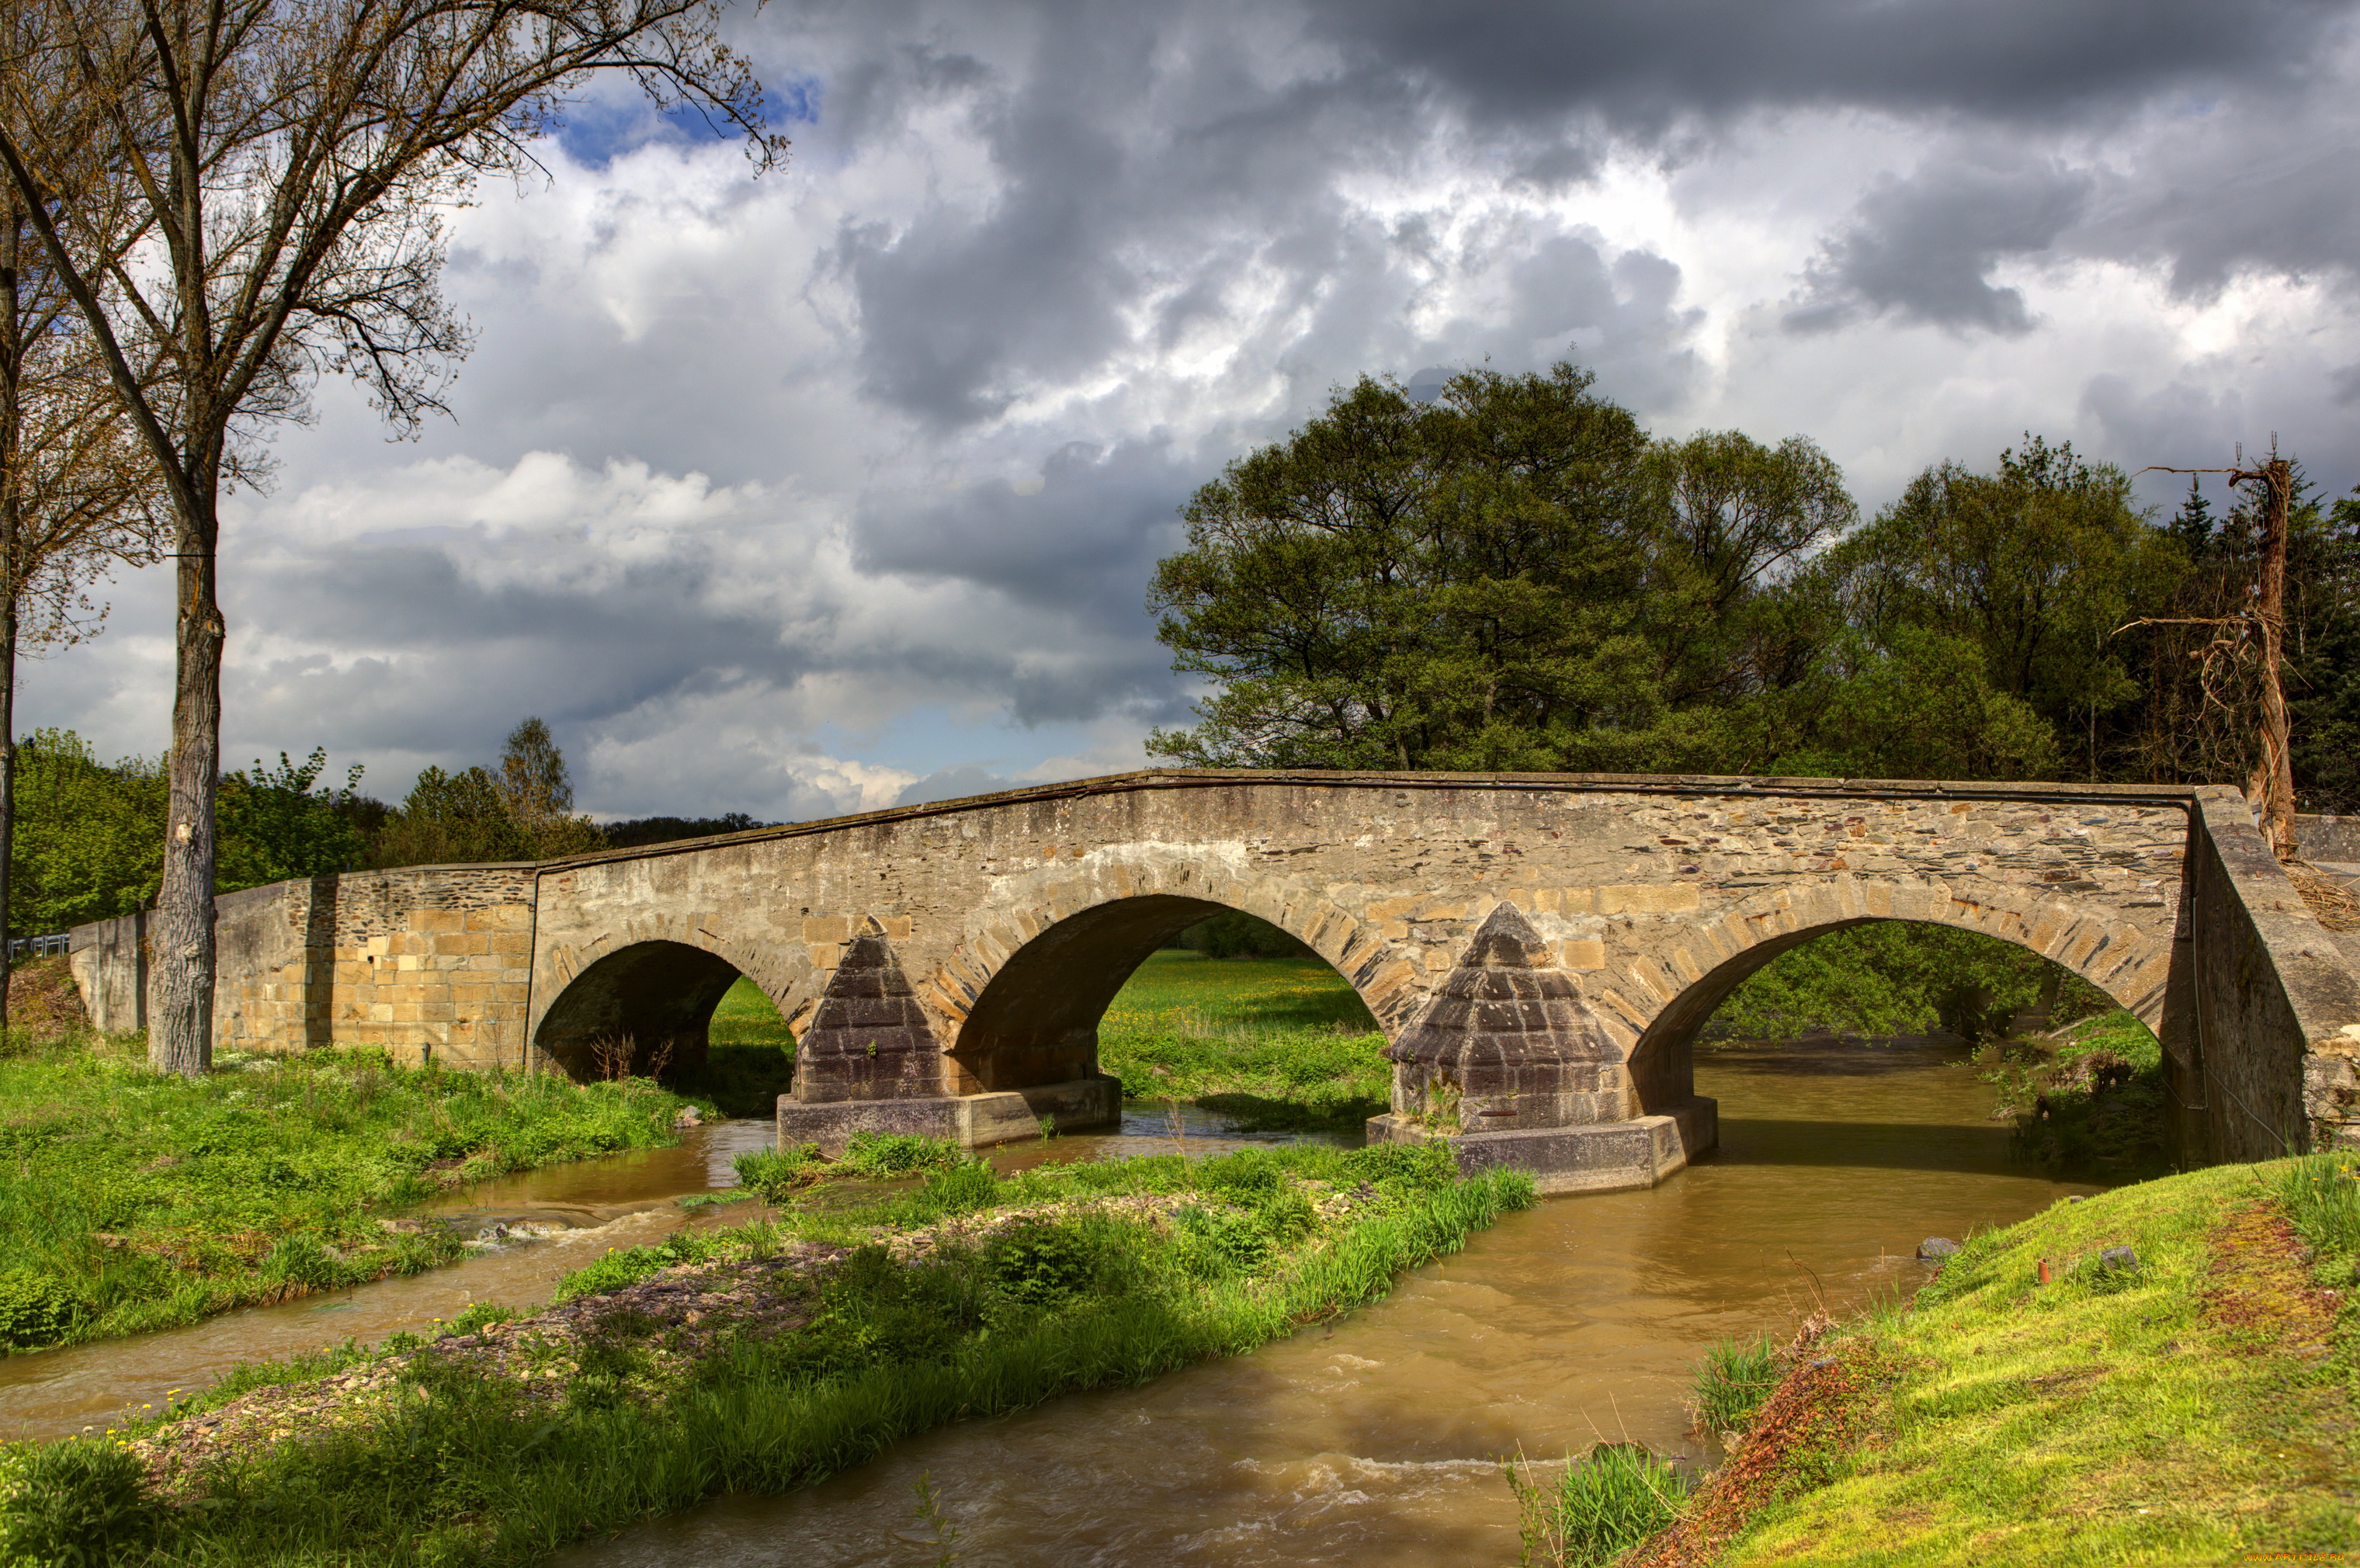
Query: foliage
(1066,1292)
(1235,934)
(76,1502)
(887,1154)
(2033,566)
(634,831)
(89,842)
(131,1201)
(776,1174)
(89,835)
(2093,1100)
(1903,977)
(1510,577)
(1601,1506)
(523,812)
(1733,1381)
(1518,576)
(1281,1042)
(274,826)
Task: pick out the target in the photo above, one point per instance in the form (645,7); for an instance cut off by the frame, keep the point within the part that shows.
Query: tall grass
(1733,1381)
(133,1201)
(2322,1192)
(1056,1304)
(1601,1507)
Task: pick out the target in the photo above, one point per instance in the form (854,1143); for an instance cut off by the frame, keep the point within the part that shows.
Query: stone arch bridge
(1540,950)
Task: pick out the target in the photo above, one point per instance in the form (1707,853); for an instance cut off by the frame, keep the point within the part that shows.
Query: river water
(1374,1442)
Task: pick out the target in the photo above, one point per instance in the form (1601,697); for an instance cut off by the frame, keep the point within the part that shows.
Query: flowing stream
(1373,1442)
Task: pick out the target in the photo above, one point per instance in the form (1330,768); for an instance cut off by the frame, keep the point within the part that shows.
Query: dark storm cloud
(1923,248)
(1646,64)
(470,652)
(1084,536)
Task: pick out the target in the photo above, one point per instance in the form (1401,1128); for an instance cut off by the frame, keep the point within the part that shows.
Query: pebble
(1934,1249)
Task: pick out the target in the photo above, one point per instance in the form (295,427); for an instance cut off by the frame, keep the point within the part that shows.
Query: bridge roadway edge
(2260,1009)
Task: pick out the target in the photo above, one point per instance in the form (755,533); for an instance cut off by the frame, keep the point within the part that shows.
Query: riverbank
(132,1201)
(1272,1044)
(2164,1373)
(755,1359)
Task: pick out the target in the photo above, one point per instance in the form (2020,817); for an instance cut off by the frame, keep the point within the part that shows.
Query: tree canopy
(1519,576)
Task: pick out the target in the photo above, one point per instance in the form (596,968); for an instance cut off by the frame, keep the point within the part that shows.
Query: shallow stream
(1373,1442)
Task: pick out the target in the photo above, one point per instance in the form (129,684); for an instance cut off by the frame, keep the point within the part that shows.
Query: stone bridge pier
(1540,950)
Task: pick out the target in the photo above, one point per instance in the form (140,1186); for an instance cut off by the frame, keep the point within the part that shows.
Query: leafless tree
(76,494)
(293,159)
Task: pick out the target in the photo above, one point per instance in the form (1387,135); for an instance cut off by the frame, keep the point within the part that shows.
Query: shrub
(75,1503)
(35,1309)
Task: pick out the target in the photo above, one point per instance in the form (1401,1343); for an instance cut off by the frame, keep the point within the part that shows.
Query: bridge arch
(658,991)
(2128,964)
(1030,1015)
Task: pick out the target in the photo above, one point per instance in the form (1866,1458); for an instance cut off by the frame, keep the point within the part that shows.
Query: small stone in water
(1936,1248)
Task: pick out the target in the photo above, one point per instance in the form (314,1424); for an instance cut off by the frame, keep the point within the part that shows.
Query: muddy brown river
(1374,1443)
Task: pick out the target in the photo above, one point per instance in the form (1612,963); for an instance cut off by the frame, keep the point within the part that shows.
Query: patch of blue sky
(604,125)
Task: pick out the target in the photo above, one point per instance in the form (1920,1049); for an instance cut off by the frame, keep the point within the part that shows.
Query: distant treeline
(89,842)
(1519,576)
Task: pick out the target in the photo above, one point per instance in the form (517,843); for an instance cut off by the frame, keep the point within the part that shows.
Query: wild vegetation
(131,1199)
(2164,1373)
(756,1359)
(1517,575)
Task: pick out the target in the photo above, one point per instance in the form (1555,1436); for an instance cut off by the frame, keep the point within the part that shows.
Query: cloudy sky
(840,486)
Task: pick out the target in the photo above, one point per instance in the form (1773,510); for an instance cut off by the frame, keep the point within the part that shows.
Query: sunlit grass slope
(131,1199)
(1277,1043)
(2197,1407)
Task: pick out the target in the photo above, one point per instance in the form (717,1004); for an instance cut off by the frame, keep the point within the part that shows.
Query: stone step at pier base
(971,1121)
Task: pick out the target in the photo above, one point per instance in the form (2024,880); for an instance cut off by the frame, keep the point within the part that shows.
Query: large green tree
(1514,576)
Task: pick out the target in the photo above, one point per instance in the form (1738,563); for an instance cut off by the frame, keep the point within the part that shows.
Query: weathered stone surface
(1607,1157)
(1551,941)
(868,1039)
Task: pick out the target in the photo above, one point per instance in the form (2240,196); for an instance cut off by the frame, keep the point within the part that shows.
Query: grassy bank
(755,1359)
(131,1201)
(2049,1400)
(2091,1100)
(1279,1043)
(750,1056)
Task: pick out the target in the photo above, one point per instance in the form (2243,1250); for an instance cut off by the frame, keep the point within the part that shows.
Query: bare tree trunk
(180,986)
(12,366)
(2273,781)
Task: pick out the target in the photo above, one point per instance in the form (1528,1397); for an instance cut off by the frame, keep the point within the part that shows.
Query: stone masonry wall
(1656,895)
(423,960)
(2277,1003)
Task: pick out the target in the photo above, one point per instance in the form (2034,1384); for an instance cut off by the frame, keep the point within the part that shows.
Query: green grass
(1733,1381)
(1073,1291)
(2198,1408)
(1278,1043)
(131,1201)
(1601,1507)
